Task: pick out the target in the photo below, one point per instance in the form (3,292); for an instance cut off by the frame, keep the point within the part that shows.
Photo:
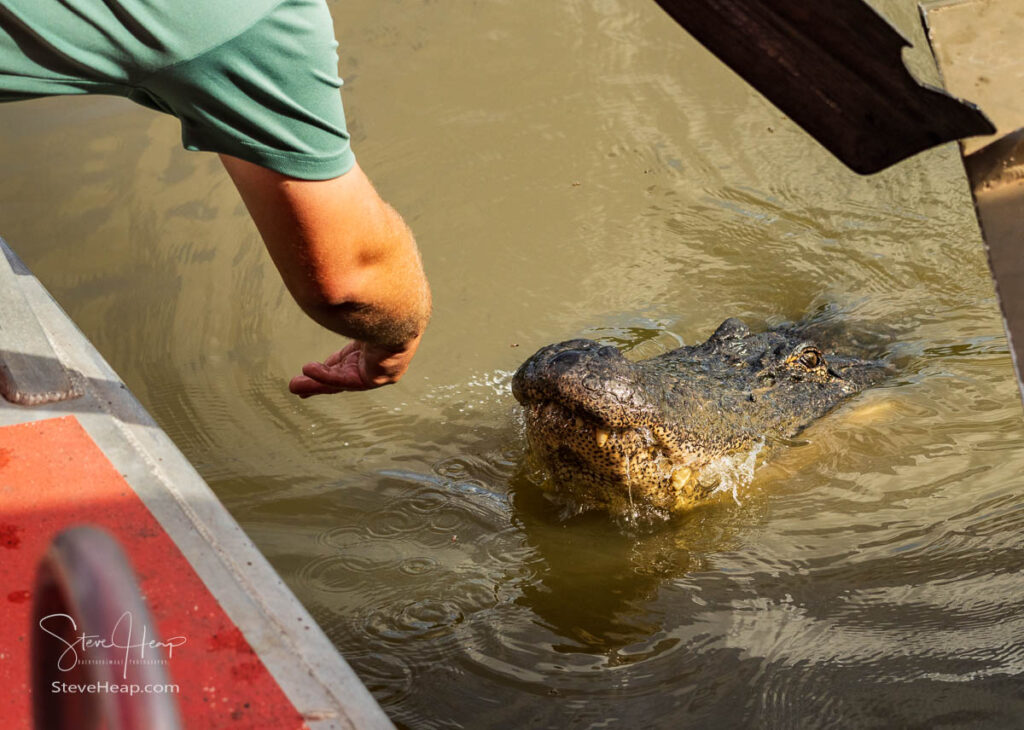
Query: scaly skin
(619,435)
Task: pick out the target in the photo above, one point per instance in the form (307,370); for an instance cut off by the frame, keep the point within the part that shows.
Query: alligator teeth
(680,477)
(601,435)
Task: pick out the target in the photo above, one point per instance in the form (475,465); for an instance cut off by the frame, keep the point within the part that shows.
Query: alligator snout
(582,376)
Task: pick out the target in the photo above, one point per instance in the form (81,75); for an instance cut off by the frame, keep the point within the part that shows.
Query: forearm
(346,256)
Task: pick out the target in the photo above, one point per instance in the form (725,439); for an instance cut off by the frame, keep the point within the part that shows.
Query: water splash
(733,472)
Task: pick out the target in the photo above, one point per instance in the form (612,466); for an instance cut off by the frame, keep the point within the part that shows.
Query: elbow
(320,299)
(361,303)
(343,316)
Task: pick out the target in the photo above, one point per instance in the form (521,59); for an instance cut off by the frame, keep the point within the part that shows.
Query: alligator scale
(617,435)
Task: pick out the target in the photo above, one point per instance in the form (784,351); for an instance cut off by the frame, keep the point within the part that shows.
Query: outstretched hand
(357,366)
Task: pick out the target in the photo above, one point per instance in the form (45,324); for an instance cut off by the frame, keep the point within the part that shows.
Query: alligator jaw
(597,466)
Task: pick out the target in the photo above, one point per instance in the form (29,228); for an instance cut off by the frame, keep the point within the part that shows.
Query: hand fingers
(341,354)
(304,387)
(341,371)
(347,378)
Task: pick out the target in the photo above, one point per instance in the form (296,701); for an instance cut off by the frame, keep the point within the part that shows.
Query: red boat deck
(245,653)
(53,476)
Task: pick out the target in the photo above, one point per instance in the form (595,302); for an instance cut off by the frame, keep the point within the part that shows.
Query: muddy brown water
(573,169)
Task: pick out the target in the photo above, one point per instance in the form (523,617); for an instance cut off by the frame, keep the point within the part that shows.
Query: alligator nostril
(566,359)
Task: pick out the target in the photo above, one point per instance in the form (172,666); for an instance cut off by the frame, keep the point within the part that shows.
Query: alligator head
(616,434)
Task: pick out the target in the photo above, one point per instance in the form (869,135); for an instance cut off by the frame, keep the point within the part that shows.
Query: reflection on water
(573,169)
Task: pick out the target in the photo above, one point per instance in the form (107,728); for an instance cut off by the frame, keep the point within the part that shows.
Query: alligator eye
(810,359)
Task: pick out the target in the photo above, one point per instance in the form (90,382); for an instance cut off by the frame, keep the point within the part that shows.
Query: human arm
(350,263)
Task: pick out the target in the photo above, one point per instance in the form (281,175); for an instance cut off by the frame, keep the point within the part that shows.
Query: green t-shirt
(255,79)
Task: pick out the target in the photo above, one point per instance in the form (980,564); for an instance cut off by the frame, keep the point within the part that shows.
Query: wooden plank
(836,69)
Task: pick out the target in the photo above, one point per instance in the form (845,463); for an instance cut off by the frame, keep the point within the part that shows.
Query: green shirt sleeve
(269,95)
(255,79)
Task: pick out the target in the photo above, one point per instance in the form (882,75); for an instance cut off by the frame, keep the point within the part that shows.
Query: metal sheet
(30,373)
(977,45)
